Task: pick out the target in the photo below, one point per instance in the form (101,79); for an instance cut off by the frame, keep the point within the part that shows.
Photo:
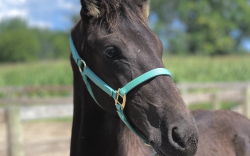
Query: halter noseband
(122,92)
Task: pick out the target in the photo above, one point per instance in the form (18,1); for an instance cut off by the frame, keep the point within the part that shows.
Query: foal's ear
(145,7)
(90,8)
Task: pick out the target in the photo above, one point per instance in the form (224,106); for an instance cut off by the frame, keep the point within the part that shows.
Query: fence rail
(56,107)
(222,86)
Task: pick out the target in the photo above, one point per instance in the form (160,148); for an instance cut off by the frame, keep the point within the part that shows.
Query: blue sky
(52,14)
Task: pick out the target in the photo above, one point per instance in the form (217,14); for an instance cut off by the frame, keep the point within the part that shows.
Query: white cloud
(54,14)
(12,8)
(14,13)
(67,5)
(40,24)
(22,1)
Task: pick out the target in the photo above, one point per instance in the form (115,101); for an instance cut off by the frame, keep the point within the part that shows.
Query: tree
(18,42)
(13,24)
(211,26)
(61,47)
(18,45)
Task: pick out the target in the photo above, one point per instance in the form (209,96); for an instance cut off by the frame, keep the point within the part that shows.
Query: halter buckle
(123,97)
(83,64)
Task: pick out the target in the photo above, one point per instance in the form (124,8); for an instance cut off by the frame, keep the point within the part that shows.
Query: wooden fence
(19,105)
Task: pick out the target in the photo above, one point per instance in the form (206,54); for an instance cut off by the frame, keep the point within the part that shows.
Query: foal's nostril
(177,138)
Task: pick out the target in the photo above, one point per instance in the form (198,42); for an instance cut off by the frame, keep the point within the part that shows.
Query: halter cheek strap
(115,94)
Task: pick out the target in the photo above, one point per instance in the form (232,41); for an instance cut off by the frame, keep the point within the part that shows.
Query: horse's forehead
(128,36)
(124,30)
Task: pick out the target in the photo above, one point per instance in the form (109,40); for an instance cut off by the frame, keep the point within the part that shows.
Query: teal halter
(87,73)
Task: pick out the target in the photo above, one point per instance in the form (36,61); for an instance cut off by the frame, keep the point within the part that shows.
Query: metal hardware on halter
(83,64)
(124,99)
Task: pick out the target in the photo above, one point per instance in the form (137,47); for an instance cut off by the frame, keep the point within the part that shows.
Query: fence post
(15,142)
(216,101)
(247,101)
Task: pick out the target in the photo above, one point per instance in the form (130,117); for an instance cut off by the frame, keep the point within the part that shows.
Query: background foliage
(18,42)
(196,27)
(202,26)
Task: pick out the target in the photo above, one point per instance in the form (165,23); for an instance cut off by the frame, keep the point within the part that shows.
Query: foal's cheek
(153,116)
(136,114)
(121,74)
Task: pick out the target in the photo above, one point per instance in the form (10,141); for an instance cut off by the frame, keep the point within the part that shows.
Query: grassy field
(183,69)
(208,106)
(36,73)
(209,69)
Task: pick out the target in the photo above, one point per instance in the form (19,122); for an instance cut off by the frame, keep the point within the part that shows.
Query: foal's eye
(111,52)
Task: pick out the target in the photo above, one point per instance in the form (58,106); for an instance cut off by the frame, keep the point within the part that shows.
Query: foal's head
(118,46)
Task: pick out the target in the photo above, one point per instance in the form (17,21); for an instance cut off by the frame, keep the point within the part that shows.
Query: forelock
(108,12)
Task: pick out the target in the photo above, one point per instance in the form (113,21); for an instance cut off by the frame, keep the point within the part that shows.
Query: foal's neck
(130,144)
(104,134)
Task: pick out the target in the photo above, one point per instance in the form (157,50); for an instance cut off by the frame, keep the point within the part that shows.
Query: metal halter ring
(83,64)
(123,97)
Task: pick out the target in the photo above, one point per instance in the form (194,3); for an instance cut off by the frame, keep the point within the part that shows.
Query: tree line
(204,27)
(19,42)
(197,27)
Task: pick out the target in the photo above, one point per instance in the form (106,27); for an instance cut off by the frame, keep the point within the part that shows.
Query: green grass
(208,106)
(36,74)
(209,69)
(183,69)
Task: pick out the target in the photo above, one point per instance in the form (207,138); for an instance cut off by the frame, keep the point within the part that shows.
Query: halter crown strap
(87,73)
